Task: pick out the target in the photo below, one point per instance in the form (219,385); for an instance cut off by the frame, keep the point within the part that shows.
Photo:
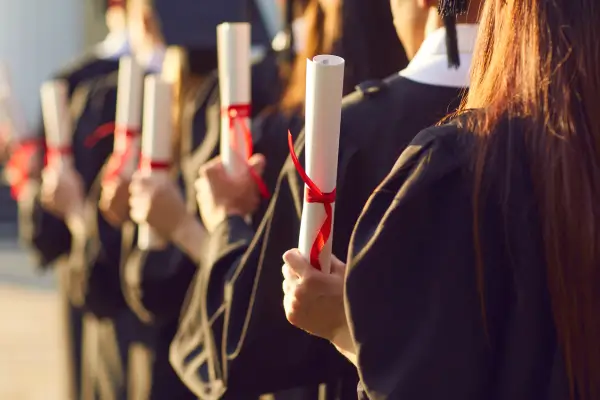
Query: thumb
(337,266)
(258,163)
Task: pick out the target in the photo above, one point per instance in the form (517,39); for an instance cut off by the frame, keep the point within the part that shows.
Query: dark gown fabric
(412,283)
(156,282)
(92,104)
(234,337)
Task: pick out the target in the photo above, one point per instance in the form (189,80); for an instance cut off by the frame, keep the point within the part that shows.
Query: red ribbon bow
(315,195)
(238,113)
(19,163)
(117,160)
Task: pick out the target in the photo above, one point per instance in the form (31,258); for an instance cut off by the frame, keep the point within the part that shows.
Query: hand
(158,202)
(314,301)
(114,200)
(24,163)
(62,191)
(220,195)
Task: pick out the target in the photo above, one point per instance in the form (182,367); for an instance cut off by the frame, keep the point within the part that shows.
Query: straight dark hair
(547,72)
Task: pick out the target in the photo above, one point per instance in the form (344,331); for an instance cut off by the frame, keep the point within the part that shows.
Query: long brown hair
(547,72)
(314,18)
(363,34)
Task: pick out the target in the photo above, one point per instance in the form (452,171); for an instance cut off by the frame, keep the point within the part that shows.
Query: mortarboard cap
(448,10)
(192,24)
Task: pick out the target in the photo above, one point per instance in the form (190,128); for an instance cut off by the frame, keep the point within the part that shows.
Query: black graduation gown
(240,289)
(92,104)
(155,282)
(412,282)
(47,236)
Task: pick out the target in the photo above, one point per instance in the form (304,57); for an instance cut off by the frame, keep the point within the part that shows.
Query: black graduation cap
(192,24)
(449,9)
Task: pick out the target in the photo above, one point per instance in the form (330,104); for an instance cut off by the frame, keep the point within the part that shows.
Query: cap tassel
(448,10)
(452,42)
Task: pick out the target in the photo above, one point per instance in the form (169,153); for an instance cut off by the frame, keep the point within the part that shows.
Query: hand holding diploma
(23,151)
(220,195)
(156,147)
(114,198)
(233,46)
(324,84)
(62,187)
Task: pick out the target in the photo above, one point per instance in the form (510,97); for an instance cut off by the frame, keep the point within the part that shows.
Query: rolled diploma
(156,143)
(129,109)
(233,48)
(11,114)
(324,84)
(57,118)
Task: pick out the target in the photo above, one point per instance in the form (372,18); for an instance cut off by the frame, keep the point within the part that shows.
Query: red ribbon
(237,113)
(53,154)
(146,163)
(315,195)
(117,160)
(19,162)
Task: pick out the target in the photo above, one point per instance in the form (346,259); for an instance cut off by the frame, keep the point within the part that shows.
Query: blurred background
(37,37)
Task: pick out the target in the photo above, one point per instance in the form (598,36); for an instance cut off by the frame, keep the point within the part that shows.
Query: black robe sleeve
(411,286)
(428,320)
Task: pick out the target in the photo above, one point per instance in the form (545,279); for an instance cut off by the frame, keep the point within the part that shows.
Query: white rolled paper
(233,48)
(156,143)
(57,118)
(11,114)
(324,86)
(129,111)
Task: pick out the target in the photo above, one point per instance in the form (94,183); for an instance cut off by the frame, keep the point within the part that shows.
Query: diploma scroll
(128,119)
(233,48)
(57,122)
(12,120)
(156,144)
(324,85)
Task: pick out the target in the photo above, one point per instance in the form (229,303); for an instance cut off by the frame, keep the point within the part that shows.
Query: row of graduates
(124,303)
(406,311)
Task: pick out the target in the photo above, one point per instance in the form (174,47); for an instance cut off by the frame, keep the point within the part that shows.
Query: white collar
(151,61)
(430,65)
(114,46)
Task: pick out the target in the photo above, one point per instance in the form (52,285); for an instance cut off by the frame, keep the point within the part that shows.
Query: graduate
(473,269)
(155,281)
(45,235)
(378,121)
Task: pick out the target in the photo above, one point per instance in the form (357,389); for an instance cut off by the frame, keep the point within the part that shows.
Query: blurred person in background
(42,231)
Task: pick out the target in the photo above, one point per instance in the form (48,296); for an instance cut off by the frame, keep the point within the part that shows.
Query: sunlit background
(37,37)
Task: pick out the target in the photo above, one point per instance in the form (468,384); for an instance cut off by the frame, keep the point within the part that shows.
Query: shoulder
(86,63)
(434,153)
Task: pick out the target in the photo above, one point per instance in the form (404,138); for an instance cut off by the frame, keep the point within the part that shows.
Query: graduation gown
(249,346)
(92,104)
(412,283)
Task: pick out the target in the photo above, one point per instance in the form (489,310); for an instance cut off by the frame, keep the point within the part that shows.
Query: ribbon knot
(237,114)
(314,195)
